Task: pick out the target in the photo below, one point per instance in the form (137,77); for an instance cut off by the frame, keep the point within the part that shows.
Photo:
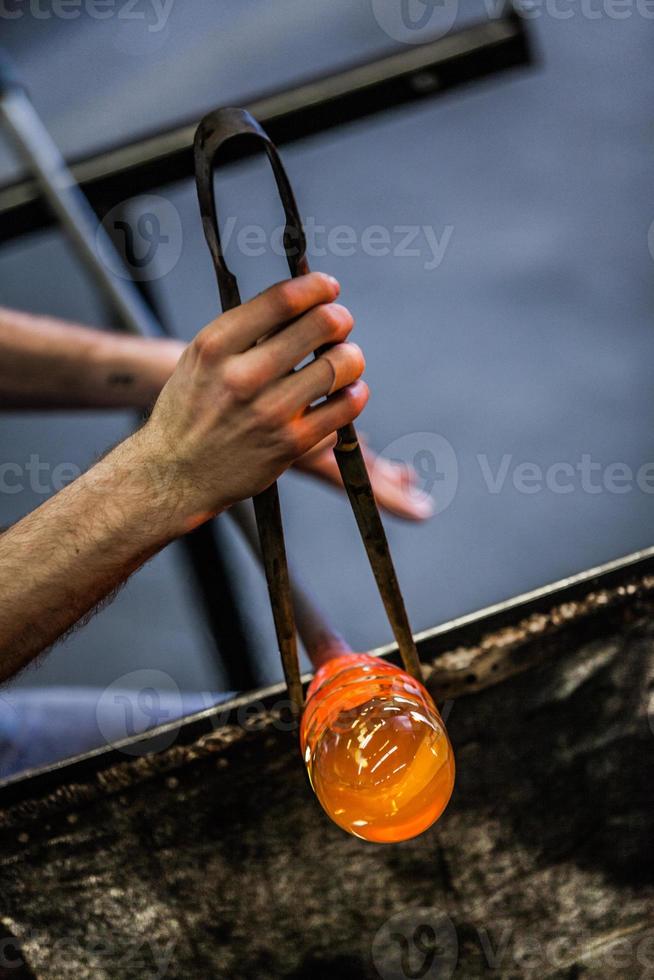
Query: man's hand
(230,419)
(234,415)
(395,488)
(46,363)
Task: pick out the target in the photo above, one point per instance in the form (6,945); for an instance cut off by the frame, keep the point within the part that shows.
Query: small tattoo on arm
(121,379)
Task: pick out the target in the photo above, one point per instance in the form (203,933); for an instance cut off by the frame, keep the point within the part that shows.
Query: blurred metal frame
(402,77)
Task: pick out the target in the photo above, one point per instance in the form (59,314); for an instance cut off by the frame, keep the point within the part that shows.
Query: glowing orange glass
(376,749)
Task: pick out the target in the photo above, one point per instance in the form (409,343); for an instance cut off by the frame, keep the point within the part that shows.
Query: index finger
(243,326)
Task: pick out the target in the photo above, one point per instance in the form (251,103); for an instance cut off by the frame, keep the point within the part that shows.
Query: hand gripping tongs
(215,131)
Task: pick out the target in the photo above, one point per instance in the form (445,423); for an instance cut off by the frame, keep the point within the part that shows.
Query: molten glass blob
(376,749)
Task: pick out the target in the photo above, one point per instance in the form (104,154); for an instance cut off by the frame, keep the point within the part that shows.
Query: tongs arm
(214,132)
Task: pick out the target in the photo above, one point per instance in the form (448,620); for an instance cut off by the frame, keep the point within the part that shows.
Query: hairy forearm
(233,416)
(47,363)
(63,559)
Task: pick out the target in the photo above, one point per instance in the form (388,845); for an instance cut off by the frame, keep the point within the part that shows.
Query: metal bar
(268,513)
(412,74)
(448,636)
(356,481)
(136,314)
(70,208)
(318,636)
(215,132)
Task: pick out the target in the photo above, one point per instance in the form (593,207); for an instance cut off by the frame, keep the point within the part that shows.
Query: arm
(46,363)
(230,420)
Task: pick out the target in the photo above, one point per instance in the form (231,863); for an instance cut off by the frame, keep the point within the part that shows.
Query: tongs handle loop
(214,132)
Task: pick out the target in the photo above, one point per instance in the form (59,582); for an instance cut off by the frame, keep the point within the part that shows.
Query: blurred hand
(232,417)
(395,487)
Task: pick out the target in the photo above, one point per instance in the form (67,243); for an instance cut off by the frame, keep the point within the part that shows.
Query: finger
(275,357)
(337,411)
(239,329)
(317,459)
(337,367)
(396,490)
(395,487)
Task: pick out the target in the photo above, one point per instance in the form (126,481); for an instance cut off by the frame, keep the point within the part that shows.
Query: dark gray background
(533,337)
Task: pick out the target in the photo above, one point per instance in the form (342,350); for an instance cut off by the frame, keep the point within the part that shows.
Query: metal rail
(417,73)
(462,631)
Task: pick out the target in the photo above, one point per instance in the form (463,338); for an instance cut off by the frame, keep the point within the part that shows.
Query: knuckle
(335,321)
(355,358)
(263,416)
(356,396)
(237,380)
(207,344)
(287,300)
(292,441)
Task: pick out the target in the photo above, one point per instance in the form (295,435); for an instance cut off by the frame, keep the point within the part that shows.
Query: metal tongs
(215,131)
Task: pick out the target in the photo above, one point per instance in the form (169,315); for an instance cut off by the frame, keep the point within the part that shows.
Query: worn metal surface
(212,859)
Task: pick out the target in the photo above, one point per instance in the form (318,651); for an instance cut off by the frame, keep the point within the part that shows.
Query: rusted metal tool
(213,135)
